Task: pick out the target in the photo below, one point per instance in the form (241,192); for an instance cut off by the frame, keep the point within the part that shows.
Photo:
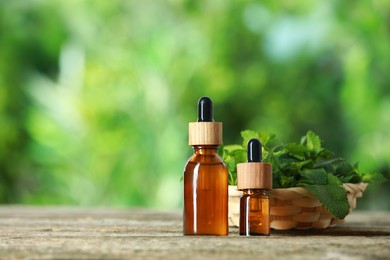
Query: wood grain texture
(82,233)
(254,175)
(205,133)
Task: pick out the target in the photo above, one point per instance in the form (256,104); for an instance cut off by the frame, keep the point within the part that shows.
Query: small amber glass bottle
(205,178)
(254,178)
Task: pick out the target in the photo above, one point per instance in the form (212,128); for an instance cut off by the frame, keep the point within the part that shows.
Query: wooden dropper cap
(254,174)
(205,131)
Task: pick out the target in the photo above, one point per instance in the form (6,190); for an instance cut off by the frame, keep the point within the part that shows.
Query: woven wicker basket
(296,207)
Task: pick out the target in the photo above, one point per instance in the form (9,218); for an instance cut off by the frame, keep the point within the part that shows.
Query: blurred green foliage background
(96,96)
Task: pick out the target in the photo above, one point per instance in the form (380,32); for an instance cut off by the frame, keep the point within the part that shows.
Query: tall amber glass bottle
(255,179)
(205,177)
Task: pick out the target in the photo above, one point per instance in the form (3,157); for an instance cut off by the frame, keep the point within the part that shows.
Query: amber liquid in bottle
(254,213)
(205,193)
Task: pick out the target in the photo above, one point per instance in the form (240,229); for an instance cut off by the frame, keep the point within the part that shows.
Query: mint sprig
(305,164)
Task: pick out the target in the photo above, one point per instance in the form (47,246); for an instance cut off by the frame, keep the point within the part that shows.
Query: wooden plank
(82,233)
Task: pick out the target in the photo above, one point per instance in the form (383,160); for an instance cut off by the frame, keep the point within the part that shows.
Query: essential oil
(254,178)
(205,177)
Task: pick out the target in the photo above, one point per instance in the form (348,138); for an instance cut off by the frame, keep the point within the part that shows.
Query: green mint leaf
(347,179)
(296,150)
(231,164)
(303,164)
(267,156)
(276,178)
(290,162)
(232,155)
(239,155)
(220,151)
(316,176)
(372,177)
(248,135)
(324,154)
(269,141)
(232,148)
(346,172)
(287,181)
(356,166)
(232,178)
(333,180)
(344,169)
(328,165)
(284,161)
(313,142)
(333,197)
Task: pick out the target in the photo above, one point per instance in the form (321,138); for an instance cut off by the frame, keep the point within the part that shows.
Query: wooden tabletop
(107,233)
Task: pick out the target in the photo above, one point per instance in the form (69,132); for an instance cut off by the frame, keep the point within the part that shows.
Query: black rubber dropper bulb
(254,152)
(205,110)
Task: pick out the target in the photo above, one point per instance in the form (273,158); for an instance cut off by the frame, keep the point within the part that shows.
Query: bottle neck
(255,192)
(205,149)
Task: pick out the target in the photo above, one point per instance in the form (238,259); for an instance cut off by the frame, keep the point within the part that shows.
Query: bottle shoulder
(206,159)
